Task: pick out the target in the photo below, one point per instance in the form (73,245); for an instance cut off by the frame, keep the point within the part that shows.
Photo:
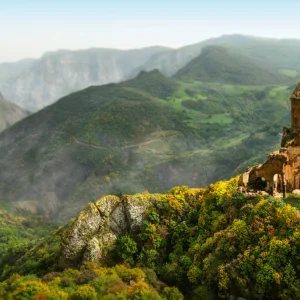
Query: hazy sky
(28,28)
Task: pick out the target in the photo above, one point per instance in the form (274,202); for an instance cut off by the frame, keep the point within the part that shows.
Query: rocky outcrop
(93,235)
(76,239)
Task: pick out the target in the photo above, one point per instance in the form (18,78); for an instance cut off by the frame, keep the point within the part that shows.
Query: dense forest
(209,243)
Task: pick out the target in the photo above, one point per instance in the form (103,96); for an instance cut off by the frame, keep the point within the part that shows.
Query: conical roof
(296,93)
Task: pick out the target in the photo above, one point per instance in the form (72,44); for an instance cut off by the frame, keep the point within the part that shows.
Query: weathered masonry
(281,172)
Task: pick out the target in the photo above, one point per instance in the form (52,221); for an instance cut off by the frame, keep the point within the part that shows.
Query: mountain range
(34,84)
(43,81)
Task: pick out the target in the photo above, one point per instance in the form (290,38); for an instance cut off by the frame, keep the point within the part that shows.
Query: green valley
(148,133)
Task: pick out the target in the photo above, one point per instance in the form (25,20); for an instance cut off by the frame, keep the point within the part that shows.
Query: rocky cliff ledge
(93,235)
(97,228)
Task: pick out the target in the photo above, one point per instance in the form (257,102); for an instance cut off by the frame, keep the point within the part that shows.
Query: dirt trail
(99,147)
(80,143)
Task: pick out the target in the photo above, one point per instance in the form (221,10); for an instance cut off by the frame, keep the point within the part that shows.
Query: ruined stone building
(281,172)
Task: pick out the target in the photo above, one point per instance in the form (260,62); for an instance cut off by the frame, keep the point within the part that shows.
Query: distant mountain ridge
(219,64)
(34,84)
(57,74)
(9,113)
(11,70)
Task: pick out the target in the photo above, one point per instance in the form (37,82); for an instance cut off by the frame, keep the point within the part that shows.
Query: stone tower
(295,107)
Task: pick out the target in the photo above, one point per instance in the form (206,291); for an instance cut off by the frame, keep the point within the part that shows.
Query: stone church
(281,172)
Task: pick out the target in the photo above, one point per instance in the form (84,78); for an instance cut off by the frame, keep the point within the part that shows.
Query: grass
(218,64)
(215,118)
(289,72)
(293,200)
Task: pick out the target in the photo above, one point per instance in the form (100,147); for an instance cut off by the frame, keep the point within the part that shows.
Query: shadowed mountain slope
(10,113)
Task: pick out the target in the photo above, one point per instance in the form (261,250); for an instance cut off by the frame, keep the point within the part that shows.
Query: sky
(29,28)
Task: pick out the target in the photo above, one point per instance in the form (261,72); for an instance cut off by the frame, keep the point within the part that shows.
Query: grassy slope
(218,64)
(282,54)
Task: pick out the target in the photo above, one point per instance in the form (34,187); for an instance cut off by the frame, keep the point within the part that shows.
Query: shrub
(141,291)
(104,282)
(29,289)
(127,274)
(58,295)
(50,276)
(40,296)
(85,277)
(85,292)
(127,248)
(172,293)
(70,273)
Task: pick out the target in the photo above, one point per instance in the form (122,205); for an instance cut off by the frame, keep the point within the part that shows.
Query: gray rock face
(95,232)
(135,208)
(78,236)
(93,251)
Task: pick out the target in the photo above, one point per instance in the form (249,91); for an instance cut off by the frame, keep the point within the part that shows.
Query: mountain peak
(150,73)
(154,83)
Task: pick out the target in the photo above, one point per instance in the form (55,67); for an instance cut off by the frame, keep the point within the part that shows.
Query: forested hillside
(149,133)
(210,243)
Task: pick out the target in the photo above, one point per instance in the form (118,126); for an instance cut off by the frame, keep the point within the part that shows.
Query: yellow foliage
(85,292)
(70,273)
(128,274)
(138,287)
(40,296)
(220,189)
(174,203)
(13,278)
(31,288)
(277,277)
(55,282)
